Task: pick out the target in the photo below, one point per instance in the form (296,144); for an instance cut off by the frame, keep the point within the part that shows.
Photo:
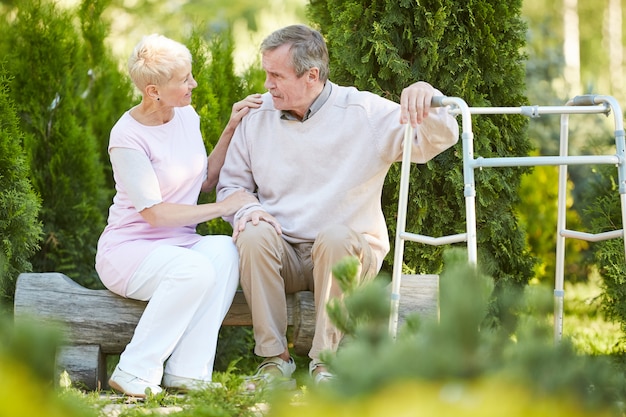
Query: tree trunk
(571,48)
(613,38)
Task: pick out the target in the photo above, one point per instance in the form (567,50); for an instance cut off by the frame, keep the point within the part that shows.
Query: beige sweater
(329,169)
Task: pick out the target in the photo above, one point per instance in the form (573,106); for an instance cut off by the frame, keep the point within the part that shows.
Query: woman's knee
(227,251)
(201,273)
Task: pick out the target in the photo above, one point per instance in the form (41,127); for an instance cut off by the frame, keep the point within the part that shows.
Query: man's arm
(218,155)
(236,174)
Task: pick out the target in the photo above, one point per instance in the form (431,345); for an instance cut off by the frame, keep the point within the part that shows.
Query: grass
(227,401)
(230,401)
(585,323)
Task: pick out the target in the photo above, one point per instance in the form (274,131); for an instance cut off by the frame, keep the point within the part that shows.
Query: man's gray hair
(308,48)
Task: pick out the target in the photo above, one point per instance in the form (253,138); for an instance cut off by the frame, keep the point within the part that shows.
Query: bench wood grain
(97,323)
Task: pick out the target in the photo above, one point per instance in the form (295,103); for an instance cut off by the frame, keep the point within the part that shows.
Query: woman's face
(177,91)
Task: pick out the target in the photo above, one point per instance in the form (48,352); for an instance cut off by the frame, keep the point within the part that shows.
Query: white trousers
(190,292)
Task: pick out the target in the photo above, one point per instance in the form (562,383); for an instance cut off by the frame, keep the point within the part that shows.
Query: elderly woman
(150,249)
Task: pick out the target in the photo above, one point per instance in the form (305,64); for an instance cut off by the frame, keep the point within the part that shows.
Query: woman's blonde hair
(155,59)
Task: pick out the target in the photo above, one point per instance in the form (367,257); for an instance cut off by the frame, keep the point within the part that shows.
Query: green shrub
(49,61)
(27,360)
(457,361)
(604,214)
(109,91)
(20,230)
(218,89)
(462,48)
(537,213)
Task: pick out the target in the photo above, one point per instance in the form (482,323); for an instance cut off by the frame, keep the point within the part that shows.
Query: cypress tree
(218,86)
(20,230)
(109,91)
(218,89)
(605,214)
(48,60)
(472,50)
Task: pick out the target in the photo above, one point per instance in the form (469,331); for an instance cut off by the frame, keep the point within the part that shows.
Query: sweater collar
(315,106)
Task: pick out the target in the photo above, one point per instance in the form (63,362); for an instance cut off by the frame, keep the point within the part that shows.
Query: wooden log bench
(97,323)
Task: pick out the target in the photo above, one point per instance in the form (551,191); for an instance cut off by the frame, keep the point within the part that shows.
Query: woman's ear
(152,92)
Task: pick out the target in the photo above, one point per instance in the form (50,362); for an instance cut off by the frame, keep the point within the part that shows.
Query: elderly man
(316,154)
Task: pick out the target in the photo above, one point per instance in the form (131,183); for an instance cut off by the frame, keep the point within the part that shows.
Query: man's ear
(314,75)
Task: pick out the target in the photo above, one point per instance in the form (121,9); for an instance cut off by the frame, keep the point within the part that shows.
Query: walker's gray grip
(437,101)
(586,100)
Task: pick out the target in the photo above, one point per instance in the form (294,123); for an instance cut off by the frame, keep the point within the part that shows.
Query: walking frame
(586,104)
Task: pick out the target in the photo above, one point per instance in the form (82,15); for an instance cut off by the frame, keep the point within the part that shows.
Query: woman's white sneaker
(187,384)
(131,385)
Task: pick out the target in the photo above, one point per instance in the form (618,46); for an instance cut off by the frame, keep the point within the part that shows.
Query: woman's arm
(136,176)
(216,159)
(176,215)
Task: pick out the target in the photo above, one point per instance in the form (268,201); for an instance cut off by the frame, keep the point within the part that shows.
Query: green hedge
(20,231)
(472,50)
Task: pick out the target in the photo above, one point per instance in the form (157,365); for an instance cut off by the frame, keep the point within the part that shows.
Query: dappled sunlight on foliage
(537,211)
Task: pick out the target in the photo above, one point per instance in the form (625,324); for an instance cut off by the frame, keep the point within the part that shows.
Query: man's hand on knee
(255,217)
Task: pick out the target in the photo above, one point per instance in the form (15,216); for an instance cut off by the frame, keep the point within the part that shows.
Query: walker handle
(437,101)
(585,100)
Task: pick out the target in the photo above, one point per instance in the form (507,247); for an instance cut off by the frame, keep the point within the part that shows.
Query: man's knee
(336,238)
(252,235)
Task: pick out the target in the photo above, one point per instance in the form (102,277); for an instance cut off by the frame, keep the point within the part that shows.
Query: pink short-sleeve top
(178,157)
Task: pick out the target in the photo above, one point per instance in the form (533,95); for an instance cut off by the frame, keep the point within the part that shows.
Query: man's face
(289,92)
